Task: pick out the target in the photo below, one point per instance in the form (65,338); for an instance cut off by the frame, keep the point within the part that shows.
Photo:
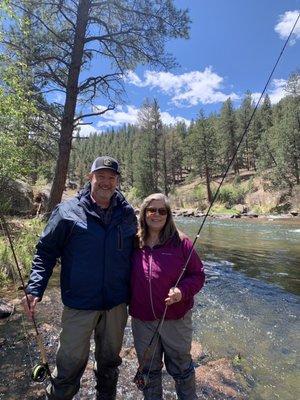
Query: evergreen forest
(155,157)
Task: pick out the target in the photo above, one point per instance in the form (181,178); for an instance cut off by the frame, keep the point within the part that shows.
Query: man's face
(104,183)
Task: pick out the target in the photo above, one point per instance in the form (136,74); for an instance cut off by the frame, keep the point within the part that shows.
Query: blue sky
(232,48)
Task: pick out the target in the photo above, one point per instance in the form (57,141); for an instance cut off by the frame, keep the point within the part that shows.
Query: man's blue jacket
(95,259)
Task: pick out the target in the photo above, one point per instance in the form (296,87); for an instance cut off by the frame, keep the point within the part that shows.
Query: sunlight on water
(250,304)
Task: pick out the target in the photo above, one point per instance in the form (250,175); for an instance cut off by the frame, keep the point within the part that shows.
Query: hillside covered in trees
(155,157)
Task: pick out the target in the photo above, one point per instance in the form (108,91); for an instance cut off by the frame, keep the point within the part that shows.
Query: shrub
(232,194)
(191,176)
(200,197)
(25,239)
(133,196)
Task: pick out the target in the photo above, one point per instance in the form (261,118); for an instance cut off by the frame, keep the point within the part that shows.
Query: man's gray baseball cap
(105,162)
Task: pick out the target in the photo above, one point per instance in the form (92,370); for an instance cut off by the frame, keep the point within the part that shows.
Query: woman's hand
(174,296)
(29,308)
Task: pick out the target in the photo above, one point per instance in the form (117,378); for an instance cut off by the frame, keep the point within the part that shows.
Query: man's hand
(32,300)
(174,296)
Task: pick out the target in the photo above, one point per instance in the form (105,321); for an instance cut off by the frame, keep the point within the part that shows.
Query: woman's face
(156,215)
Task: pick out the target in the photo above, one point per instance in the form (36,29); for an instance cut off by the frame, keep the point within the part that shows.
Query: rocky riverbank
(233,214)
(236,213)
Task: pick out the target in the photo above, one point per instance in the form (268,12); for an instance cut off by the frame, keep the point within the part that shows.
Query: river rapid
(250,303)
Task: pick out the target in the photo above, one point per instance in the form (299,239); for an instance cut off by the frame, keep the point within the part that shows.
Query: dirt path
(215,379)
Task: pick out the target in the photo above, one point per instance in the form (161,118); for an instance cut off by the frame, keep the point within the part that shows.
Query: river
(250,303)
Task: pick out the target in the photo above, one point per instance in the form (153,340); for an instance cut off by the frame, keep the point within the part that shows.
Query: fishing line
(141,379)
(240,142)
(39,371)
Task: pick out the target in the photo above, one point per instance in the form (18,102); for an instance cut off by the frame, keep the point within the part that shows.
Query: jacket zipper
(150,285)
(120,239)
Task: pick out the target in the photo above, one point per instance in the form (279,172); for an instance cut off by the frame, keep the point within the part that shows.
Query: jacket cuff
(34,292)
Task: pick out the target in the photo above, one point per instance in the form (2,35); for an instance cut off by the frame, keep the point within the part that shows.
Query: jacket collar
(85,201)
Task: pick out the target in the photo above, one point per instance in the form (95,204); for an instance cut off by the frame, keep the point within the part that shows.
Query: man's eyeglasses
(153,210)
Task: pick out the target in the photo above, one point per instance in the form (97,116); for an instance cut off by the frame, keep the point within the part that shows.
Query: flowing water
(250,303)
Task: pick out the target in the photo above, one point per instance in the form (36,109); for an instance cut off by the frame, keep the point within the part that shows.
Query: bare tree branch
(109,108)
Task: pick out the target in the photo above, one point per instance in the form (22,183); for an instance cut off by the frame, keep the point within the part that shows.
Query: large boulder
(295,201)
(17,196)
(6,308)
(241,208)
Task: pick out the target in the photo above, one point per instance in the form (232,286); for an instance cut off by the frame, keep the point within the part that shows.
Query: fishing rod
(39,371)
(141,379)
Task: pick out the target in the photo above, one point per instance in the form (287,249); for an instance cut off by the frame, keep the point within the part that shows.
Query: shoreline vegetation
(249,198)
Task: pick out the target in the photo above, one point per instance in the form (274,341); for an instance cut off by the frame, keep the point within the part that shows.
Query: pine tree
(227,135)
(265,122)
(148,149)
(286,140)
(247,152)
(203,149)
(67,36)
(175,153)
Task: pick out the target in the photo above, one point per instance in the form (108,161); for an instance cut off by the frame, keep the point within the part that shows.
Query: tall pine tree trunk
(297,172)
(164,168)
(207,177)
(67,124)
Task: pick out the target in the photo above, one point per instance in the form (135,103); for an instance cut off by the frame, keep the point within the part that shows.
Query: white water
(250,304)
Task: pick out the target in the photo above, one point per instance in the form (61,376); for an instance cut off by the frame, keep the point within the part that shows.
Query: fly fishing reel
(141,380)
(39,372)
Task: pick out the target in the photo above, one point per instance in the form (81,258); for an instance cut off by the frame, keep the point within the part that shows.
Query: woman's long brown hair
(168,231)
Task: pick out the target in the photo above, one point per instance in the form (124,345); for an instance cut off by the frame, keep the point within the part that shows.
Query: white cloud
(87,130)
(99,108)
(132,77)
(276,92)
(285,24)
(168,119)
(60,98)
(188,89)
(119,116)
(255,97)
(129,115)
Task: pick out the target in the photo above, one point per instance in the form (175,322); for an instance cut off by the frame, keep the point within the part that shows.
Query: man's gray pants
(74,347)
(174,345)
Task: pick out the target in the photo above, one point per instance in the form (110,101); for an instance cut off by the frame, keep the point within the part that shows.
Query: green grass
(219,208)
(25,233)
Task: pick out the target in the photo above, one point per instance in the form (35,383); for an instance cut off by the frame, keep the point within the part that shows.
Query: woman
(157,265)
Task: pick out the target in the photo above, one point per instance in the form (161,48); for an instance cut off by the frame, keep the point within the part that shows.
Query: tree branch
(109,108)
(42,22)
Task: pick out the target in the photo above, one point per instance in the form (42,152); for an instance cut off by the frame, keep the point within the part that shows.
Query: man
(93,236)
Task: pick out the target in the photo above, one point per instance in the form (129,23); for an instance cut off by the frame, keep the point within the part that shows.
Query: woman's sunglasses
(153,210)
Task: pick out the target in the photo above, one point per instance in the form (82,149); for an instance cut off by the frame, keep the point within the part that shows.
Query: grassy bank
(25,233)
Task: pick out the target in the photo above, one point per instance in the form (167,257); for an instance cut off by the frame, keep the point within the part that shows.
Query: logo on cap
(107,162)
